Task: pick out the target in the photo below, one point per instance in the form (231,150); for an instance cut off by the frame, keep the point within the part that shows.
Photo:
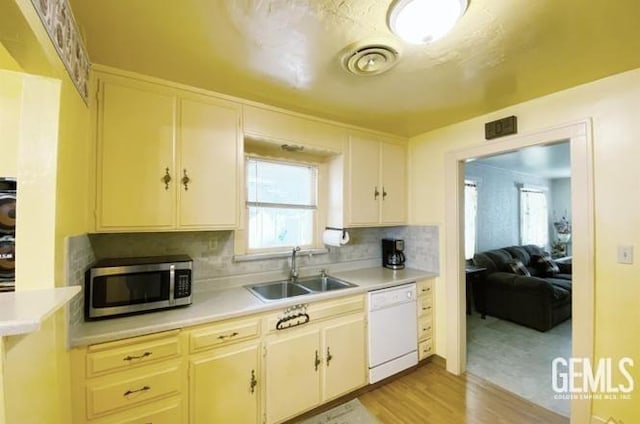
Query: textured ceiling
(287,53)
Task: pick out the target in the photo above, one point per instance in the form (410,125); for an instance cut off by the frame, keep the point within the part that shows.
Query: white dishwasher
(392,331)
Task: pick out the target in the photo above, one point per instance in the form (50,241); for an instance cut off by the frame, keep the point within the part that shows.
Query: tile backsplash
(212,254)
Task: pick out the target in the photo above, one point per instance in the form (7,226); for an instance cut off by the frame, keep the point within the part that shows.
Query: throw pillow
(517,267)
(546,265)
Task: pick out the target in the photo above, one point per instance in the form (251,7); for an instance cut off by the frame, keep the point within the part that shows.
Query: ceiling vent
(372,59)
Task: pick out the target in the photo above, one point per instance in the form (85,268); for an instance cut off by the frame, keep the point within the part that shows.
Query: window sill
(277,255)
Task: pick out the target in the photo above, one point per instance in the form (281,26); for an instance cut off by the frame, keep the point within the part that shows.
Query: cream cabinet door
(209,164)
(394,184)
(135,152)
(224,385)
(364,185)
(344,356)
(293,365)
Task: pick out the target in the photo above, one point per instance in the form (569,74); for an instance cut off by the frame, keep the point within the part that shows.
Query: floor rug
(352,412)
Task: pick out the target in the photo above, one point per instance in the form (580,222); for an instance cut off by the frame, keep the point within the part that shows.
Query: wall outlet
(625,255)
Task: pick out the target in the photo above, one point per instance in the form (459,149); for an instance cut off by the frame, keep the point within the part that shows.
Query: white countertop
(24,311)
(216,305)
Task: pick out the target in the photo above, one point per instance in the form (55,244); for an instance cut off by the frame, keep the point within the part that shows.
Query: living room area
(518,269)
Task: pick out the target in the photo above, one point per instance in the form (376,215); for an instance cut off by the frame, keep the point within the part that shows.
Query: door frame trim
(579,135)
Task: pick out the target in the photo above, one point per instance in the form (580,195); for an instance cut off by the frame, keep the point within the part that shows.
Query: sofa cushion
(520,253)
(517,267)
(500,257)
(557,282)
(560,294)
(534,250)
(483,261)
(563,276)
(546,265)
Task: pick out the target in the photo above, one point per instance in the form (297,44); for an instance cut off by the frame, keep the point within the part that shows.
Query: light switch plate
(625,254)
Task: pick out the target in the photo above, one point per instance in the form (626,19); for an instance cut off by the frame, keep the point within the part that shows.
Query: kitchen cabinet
(133,381)
(224,385)
(377,182)
(167,159)
(224,373)
(311,365)
(425,319)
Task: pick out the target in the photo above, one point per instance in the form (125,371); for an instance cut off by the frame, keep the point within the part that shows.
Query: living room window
(534,217)
(281,203)
(470,218)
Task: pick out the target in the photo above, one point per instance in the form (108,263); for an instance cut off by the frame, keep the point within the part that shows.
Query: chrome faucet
(293,271)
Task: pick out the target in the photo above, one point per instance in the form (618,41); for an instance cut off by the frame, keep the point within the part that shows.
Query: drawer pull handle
(228,336)
(185,180)
(329,356)
(141,390)
(426,308)
(253,382)
(317,361)
(131,358)
(376,193)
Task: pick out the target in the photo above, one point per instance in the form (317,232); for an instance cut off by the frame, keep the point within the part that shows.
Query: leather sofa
(540,301)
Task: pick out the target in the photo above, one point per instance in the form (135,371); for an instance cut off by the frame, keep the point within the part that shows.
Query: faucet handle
(296,249)
(323,273)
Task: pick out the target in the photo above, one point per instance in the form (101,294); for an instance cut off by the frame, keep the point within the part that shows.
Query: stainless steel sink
(284,289)
(323,284)
(277,290)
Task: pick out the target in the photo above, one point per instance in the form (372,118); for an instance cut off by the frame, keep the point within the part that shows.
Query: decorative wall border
(58,20)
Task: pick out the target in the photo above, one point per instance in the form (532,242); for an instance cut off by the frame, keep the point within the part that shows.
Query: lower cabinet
(309,366)
(240,370)
(224,386)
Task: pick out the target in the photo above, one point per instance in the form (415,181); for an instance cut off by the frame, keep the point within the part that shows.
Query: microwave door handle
(172,284)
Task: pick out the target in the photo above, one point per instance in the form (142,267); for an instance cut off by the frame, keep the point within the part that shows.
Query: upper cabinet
(167,159)
(376,189)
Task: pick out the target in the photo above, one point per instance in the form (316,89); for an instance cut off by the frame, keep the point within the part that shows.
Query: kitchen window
(534,217)
(281,204)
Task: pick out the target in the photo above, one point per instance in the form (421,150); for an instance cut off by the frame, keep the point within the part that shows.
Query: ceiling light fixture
(424,21)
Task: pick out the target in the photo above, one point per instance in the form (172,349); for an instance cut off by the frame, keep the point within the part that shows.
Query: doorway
(518,311)
(579,138)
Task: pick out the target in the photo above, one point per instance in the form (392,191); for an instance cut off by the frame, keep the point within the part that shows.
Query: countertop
(217,305)
(24,311)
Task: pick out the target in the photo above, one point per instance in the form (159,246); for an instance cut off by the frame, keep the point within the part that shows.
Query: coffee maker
(392,253)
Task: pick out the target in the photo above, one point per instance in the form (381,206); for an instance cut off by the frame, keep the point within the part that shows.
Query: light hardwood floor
(431,395)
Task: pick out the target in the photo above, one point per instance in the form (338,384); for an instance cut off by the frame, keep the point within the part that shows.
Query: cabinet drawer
(425,288)
(425,306)
(110,357)
(425,328)
(425,349)
(219,334)
(168,411)
(125,390)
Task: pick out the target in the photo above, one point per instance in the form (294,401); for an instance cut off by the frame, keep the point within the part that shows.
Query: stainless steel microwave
(125,286)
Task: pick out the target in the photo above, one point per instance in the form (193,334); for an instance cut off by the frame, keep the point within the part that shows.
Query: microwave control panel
(182,284)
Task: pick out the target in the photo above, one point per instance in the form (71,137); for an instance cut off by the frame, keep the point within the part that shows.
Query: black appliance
(134,285)
(393,253)
(8,190)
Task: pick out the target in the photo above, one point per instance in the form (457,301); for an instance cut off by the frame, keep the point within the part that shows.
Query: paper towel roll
(335,237)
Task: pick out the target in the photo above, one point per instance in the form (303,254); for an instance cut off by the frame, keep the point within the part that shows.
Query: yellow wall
(613,105)
(10,105)
(53,163)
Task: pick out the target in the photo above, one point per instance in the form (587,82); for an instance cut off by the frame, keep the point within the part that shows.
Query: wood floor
(431,395)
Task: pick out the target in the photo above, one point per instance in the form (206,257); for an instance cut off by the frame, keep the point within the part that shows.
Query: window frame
(473,183)
(538,190)
(316,211)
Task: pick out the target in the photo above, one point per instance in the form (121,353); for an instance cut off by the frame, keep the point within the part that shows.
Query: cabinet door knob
(376,193)
(317,361)
(185,180)
(166,179)
(384,193)
(253,383)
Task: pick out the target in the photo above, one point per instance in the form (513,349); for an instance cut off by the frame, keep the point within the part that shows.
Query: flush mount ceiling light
(424,21)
